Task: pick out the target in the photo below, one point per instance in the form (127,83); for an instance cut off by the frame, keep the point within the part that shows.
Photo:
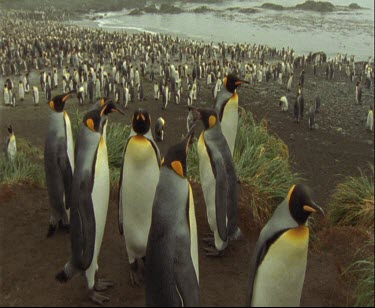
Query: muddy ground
(322,157)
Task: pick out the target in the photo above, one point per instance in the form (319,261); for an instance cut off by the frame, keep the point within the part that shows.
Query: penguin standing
(139,177)
(172,269)
(90,198)
(283,103)
(227,108)
(218,180)
(290,81)
(370,120)
(159,129)
(278,266)
(312,117)
(11,144)
(59,162)
(36,95)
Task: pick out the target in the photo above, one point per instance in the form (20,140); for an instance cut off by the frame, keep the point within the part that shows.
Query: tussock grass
(364,270)
(352,203)
(262,165)
(27,166)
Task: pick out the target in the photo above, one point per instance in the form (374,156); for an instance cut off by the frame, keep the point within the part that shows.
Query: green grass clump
(262,165)
(27,166)
(20,170)
(364,271)
(352,203)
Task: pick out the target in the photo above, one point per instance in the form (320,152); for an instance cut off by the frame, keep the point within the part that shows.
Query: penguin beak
(68,95)
(313,208)
(240,82)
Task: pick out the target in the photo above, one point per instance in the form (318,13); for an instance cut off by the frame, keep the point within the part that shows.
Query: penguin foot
(98,298)
(103,284)
(209,240)
(236,236)
(51,230)
(136,277)
(213,252)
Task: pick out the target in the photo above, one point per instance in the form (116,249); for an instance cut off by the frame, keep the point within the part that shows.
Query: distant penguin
(90,198)
(317,104)
(139,176)
(290,81)
(156,90)
(35,95)
(11,145)
(21,91)
(218,180)
(166,96)
(226,107)
(312,117)
(159,129)
(6,95)
(278,265)
(283,103)
(370,120)
(358,93)
(172,268)
(59,162)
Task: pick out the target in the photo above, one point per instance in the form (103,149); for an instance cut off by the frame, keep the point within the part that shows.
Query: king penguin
(159,129)
(278,266)
(138,179)
(59,163)
(90,198)
(219,181)
(172,269)
(11,144)
(226,107)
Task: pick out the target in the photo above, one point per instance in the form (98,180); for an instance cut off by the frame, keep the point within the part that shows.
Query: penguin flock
(156,210)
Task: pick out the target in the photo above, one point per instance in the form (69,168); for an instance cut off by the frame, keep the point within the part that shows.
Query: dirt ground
(322,157)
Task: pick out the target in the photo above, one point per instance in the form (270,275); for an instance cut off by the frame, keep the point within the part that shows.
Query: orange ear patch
(52,105)
(212,121)
(177,167)
(90,124)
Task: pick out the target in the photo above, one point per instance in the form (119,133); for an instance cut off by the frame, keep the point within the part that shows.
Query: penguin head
(176,155)
(141,121)
(208,116)
(231,82)
(57,103)
(10,130)
(301,204)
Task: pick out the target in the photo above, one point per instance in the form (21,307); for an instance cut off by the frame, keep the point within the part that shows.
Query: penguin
(172,268)
(36,95)
(283,103)
(139,176)
(59,162)
(218,180)
(370,119)
(159,129)
(311,117)
(89,206)
(11,144)
(226,107)
(317,104)
(278,265)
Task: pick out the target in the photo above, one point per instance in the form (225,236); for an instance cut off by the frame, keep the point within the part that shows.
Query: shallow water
(346,31)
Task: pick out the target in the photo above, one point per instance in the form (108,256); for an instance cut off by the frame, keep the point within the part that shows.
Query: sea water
(343,31)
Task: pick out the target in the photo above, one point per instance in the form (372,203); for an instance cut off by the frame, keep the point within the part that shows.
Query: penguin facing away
(171,271)
(59,163)
(11,144)
(226,107)
(159,129)
(219,182)
(139,176)
(90,197)
(278,265)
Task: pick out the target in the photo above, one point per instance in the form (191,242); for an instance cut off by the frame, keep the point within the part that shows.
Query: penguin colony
(156,211)
(156,214)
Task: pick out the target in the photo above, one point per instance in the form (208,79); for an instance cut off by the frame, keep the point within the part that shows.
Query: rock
(354,6)
(272,6)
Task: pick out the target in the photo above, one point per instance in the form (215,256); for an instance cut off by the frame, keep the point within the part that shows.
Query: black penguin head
(231,82)
(176,155)
(109,107)
(141,121)
(300,204)
(10,129)
(208,116)
(57,103)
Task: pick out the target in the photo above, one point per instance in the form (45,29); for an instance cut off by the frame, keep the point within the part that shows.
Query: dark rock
(272,6)
(135,12)
(316,6)
(354,6)
(169,9)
